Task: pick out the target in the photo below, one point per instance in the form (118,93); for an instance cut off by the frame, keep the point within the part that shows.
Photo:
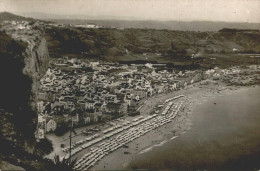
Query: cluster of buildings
(61,25)
(87,25)
(84,92)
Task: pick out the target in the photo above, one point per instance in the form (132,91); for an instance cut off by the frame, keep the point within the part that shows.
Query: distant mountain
(168,25)
(9,16)
(46,16)
(112,21)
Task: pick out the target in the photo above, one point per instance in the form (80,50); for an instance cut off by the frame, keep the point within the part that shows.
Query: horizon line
(125,18)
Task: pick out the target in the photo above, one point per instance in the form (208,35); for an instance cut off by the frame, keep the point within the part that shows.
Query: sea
(225,135)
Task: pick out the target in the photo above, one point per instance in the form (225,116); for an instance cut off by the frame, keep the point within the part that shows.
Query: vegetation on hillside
(15,87)
(16,155)
(137,44)
(7,16)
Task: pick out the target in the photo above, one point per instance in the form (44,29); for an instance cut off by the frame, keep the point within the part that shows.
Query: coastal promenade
(137,128)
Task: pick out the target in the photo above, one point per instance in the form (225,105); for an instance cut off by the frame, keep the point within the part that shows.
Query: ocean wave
(156,145)
(163,142)
(173,137)
(146,150)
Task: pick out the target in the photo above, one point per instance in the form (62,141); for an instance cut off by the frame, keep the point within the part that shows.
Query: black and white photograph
(129,85)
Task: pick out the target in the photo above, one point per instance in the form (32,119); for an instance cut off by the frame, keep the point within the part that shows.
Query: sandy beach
(195,95)
(223,136)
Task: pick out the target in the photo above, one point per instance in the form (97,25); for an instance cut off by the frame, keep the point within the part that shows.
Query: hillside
(120,22)
(6,16)
(23,59)
(163,46)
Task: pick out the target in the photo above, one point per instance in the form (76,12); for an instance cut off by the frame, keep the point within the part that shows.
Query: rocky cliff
(24,59)
(36,63)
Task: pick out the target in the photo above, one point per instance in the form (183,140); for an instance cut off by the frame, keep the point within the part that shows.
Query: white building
(51,125)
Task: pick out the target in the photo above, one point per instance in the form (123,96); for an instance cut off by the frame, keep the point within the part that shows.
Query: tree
(64,164)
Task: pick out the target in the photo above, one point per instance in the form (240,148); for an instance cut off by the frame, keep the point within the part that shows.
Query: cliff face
(20,72)
(36,63)
(22,63)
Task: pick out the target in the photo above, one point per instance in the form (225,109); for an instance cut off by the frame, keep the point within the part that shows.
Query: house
(46,96)
(41,127)
(113,108)
(174,86)
(98,107)
(81,104)
(75,120)
(40,134)
(86,118)
(42,96)
(51,125)
(103,107)
(91,25)
(95,118)
(234,50)
(40,106)
(57,108)
(149,92)
(91,117)
(128,100)
(159,88)
(94,64)
(89,104)
(137,98)
(138,94)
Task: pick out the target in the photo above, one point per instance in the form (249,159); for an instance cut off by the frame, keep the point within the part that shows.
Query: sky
(180,10)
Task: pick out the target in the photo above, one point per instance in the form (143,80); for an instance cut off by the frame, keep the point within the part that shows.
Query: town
(90,92)
(86,92)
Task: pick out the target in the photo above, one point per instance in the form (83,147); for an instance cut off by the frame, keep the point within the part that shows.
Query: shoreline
(168,132)
(224,136)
